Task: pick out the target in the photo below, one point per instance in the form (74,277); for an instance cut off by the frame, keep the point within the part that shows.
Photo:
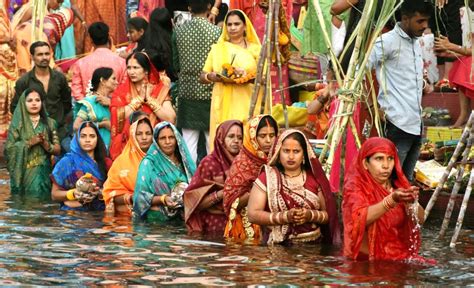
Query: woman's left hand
(103,100)
(298,216)
(442,44)
(44,143)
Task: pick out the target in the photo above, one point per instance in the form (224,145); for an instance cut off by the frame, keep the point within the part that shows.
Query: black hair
(100,73)
(222,12)
(137,115)
(99,33)
(199,6)
(42,112)
(145,120)
(158,41)
(138,23)
(271,121)
(411,7)
(142,60)
(36,45)
(100,152)
(237,13)
(300,138)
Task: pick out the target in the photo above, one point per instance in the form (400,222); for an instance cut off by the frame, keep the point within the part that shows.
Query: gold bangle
(70,195)
(271,219)
(214,11)
(163,199)
(312,215)
(285,217)
(206,78)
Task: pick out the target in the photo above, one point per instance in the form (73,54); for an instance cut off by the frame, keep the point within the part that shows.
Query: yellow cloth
(232,101)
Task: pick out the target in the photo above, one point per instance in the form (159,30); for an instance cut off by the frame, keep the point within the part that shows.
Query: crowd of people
(157,133)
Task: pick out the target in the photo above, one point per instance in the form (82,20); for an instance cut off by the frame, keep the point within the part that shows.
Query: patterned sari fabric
(76,164)
(389,236)
(29,167)
(121,98)
(243,172)
(88,109)
(284,194)
(8,73)
(213,168)
(122,175)
(158,174)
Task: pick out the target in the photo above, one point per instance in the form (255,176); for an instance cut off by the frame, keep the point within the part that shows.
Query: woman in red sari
(143,90)
(292,197)
(259,136)
(203,208)
(377,212)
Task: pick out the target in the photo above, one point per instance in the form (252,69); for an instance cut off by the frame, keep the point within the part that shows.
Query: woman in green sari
(95,106)
(32,139)
(167,164)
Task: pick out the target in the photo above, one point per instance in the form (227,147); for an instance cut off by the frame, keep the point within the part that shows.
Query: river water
(40,245)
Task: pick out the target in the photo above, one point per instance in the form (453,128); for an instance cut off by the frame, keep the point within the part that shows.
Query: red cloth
(122,96)
(389,236)
(460,76)
(214,167)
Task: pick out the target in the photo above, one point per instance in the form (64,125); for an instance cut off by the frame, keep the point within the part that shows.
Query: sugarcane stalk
(452,162)
(343,161)
(457,185)
(278,60)
(462,211)
(375,105)
(260,65)
(268,59)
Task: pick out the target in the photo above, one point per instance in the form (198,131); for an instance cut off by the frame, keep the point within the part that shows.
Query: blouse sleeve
(261,181)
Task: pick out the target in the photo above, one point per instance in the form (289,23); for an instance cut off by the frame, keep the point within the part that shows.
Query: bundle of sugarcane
(38,13)
(353,88)
(270,47)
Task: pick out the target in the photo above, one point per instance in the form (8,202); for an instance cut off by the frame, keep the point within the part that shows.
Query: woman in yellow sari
(238,47)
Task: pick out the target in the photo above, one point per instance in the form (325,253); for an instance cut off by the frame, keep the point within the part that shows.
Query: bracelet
(50,149)
(163,199)
(271,219)
(312,215)
(206,78)
(325,217)
(70,195)
(214,11)
(388,202)
(216,198)
(285,217)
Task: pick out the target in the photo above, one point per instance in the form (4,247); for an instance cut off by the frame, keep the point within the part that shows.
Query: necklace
(293,176)
(35,120)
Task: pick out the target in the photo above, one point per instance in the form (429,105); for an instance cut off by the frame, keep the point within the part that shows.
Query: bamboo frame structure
(269,49)
(464,147)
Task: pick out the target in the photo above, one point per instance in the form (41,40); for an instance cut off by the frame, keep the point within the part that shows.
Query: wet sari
(73,166)
(389,236)
(88,109)
(122,175)
(29,167)
(212,169)
(243,172)
(121,98)
(158,174)
(285,193)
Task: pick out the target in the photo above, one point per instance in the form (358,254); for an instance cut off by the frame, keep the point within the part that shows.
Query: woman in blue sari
(95,106)
(32,139)
(78,177)
(167,163)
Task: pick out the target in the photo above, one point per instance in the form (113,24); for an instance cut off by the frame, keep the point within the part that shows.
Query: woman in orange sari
(118,189)
(259,134)
(203,198)
(143,90)
(378,214)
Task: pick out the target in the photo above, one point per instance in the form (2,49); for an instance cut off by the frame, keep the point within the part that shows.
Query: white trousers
(191,138)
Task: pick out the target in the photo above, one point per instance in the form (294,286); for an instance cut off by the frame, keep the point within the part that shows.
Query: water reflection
(39,245)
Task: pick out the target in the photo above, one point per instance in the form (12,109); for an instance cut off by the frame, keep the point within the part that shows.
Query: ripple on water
(205,281)
(61,261)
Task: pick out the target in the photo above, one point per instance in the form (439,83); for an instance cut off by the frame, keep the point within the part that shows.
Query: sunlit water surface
(40,245)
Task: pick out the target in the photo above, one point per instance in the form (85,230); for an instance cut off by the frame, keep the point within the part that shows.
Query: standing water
(40,245)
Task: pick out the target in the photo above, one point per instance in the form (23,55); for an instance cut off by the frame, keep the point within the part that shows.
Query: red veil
(389,236)
(122,96)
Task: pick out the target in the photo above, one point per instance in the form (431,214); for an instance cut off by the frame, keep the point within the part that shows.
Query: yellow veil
(251,34)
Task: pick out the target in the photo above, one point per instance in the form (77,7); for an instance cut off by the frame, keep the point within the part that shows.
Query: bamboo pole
(278,61)
(457,152)
(268,59)
(462,211)
(457,185)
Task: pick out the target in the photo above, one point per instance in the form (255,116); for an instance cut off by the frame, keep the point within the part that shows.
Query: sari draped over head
(76,164)
(388,237)
(121,98)
(29,167)
(122,175)
(158,174)
(213,168)
(280,198)
(88,109)
(232,101)
(243,172)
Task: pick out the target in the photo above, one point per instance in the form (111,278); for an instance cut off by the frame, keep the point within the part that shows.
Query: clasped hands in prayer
(145,97)
(299,216)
